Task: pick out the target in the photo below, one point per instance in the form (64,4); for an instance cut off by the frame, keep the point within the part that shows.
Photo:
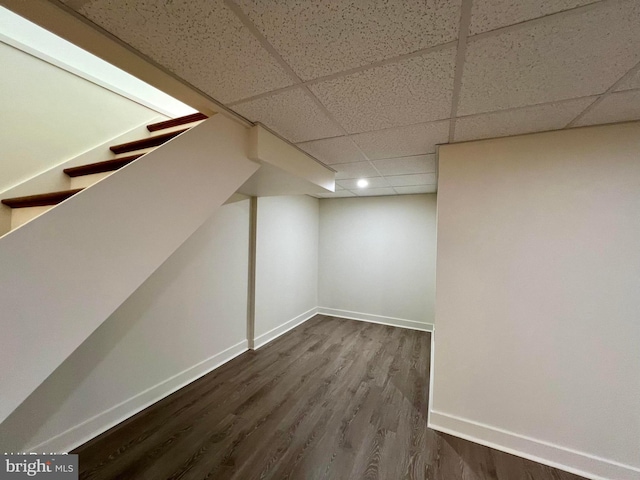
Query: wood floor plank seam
(331,399)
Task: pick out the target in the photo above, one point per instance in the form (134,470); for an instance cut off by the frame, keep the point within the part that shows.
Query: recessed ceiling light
(362,183)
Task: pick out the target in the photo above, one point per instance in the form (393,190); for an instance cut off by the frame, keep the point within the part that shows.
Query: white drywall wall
(291,171)
(286,264)
(537,346)
(84,257)
(49,116)
(191,310)
(35,40)
(377,259)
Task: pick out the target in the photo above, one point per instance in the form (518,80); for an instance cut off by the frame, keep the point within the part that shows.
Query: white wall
(41,43)
(287,264)
(377,259)
(49,115)
(537,349)
(102,244)
(193,309)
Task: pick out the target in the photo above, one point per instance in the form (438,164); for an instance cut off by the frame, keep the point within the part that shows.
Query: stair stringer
(54,179)
(66,271)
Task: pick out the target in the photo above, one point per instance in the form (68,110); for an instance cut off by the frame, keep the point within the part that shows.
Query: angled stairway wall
(189,316)
(66,271)
(49,122)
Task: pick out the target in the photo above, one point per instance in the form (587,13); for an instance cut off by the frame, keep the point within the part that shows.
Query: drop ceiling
(370,87)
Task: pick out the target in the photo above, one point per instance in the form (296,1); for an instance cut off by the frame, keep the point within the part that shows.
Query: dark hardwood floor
(332,399)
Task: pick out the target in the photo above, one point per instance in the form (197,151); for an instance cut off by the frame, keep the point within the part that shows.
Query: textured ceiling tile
(630,83)
(201,41)
(410,180)
(616,107)
(321,38)
(539,118)
(414,90)
(403,141)
(417,189)
(373,192)
(406,165)
(333,150)
(293,114)
(352,184)
(337,194)
(567,57)
(355,170)
(491,14)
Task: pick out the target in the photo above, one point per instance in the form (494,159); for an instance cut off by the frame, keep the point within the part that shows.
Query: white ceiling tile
(539,118)
(406,165)
(631,82)
(403,141)
(333,150)
(565,56)
(414,90)
(491,14)
(337,194)
(321,38)
(373,192)
(411,180)
(352,184)
(355,170)
(201,41)
(293,114)
(616,107)
(417,189)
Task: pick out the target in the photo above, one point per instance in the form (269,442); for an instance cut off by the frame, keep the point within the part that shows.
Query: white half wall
(377,259)
(102,244)
(29,37)
(50,116)
(286,264)
(537,350)
(186,319)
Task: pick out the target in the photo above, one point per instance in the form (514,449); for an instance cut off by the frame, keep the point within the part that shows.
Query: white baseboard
(262,340)
(432,363)
(368,317)
(579,463)
(85,431)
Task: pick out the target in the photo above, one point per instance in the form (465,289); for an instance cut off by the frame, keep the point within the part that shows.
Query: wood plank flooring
(332,399)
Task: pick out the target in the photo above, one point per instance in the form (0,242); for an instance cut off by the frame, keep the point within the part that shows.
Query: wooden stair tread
(145,142)
(101,167)
(42,200)
(174,122)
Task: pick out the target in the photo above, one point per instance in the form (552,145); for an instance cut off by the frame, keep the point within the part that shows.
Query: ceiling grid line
(373,89)
(265,94)
(350,71)
(472,115)
(370,162)
(465,21)
(632,71)
(524,84)
(341,127)
(220,107)
(533,21)
(515,109)
(397,58)
(246,21)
